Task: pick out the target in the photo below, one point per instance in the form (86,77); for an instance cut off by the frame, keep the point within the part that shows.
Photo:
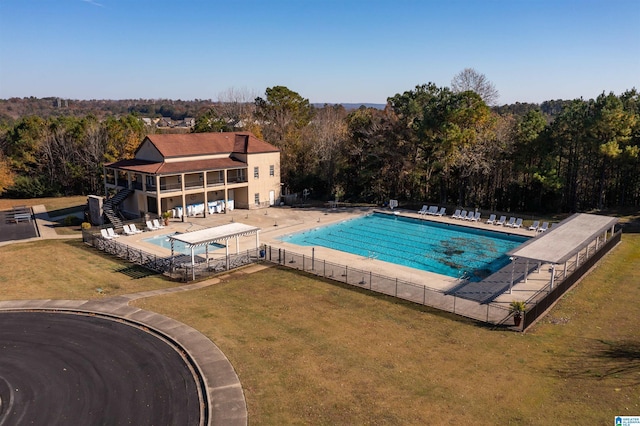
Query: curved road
(58,368)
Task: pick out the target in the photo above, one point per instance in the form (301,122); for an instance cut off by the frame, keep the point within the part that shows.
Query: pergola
(565,241)
(224,233)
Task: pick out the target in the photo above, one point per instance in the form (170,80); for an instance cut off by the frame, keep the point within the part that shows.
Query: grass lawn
(309,351)
(66,269)
(51,204)
(314,352)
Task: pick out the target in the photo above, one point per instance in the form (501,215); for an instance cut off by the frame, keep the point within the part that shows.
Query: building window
(272,170)
(256,172)
(256,199)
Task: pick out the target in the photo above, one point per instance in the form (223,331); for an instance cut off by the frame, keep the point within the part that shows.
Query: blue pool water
(442,248)
(178,246)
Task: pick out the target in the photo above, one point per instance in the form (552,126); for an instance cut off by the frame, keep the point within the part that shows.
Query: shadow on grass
(604,360)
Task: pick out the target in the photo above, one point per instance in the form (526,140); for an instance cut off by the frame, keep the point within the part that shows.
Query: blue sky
(327,51)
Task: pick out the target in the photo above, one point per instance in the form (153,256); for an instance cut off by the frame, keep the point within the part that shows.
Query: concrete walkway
(225,398)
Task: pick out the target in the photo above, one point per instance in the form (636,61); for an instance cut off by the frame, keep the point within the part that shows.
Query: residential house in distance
(196,174)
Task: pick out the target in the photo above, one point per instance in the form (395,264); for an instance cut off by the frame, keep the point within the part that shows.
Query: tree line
(429,145)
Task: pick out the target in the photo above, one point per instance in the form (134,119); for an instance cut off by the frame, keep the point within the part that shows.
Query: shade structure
(206,236)
(564,240)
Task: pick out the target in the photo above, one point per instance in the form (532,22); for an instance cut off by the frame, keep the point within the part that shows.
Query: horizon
(331,52)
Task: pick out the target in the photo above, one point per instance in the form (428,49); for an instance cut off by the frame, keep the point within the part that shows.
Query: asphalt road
(65,369)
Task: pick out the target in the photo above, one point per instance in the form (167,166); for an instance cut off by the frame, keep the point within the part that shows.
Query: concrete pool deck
(276,222)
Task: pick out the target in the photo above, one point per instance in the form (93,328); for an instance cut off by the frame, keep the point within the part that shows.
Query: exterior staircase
(110,207)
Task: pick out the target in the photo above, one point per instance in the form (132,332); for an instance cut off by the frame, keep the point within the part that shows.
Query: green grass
(65,269)
(51,204)
(309,351)
(314,352)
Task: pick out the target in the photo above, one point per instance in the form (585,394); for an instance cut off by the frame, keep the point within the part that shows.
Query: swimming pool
(442,248)
(178,246)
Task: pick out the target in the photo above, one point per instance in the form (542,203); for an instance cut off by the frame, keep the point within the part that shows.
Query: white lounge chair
(535,226)
(423,210)
(512,221)
(463,215)
(432,210)
(456,214)
(476,217)
(544,227)
(135,230)
(127,230)
(441,212)
(105,234)
(491,220)
(157,224)
(470,216)
(150,226)
(112,233)
(501,221)
(518,223)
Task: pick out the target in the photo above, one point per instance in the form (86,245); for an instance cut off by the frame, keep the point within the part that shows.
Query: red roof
(191,144)
(148,167)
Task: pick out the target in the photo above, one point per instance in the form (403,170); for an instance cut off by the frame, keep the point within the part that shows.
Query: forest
(430,144)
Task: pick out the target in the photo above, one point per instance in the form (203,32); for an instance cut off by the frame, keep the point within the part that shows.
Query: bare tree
(236,106)
(470,79)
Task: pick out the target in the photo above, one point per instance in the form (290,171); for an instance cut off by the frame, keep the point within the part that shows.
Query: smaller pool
(178,246)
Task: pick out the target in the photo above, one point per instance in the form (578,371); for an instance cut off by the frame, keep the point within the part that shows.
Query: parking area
(17,224)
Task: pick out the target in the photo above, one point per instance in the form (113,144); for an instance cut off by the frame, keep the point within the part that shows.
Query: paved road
(66,369)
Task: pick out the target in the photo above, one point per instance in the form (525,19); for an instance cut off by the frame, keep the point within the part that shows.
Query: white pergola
(565,241)
(224,233)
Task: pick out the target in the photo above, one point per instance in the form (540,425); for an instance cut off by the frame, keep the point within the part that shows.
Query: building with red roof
(196,173)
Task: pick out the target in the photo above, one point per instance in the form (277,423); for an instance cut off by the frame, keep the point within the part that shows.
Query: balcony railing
(192,185)
(237,179)
(171,187)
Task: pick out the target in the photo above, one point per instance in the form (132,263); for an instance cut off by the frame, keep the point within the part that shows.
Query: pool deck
(275,222)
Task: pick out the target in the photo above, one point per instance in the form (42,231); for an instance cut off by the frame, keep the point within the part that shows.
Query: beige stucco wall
(265,183)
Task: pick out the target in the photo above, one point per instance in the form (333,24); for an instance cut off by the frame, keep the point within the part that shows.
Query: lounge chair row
(512,223)
(109,233)
(539,228)
(130,229)
(433,210)
(464,215)
(153,225)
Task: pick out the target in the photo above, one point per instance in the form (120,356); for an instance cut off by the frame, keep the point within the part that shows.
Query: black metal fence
(180,268)
(176,267)
(545,298)
(417,293)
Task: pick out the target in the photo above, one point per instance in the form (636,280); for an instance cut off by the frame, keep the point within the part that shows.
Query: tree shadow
(604,359)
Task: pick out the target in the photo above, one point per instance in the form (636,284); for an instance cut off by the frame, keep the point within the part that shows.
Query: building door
(272,197)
